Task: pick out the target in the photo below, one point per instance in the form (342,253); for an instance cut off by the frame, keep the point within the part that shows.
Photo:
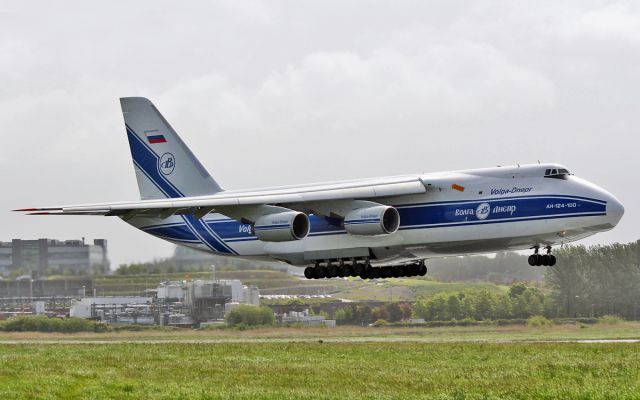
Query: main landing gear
(548,260)
(364,270)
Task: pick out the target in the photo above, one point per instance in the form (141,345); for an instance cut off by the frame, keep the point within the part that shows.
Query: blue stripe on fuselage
(435,215)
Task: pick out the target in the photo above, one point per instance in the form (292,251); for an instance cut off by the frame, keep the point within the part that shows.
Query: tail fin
(164,165)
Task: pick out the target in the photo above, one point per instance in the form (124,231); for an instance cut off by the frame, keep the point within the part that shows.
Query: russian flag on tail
(155,137)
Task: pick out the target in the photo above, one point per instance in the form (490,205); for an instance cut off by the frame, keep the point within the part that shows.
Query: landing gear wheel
(532,260)
(341,272)
(320,272)
(308,273)
(332,271)
(546,260)
(423,270)
(348,270)
(538,260)
(552,260)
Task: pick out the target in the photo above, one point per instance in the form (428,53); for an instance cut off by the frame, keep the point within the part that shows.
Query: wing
(322,199)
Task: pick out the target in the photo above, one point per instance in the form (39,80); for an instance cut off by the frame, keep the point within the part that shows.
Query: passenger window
(554,171)
(547,172)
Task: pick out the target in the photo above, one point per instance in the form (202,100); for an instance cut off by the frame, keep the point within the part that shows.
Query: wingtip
(25,209)
(40,213)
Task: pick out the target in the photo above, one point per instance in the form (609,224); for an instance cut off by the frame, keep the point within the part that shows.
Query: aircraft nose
(615,210)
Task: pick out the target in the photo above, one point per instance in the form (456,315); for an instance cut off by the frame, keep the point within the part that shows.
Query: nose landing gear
(548,260)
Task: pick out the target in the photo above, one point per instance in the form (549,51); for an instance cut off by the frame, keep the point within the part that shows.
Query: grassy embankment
(485,334)
(344,370)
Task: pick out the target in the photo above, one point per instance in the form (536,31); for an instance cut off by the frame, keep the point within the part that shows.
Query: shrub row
(531,321)
(41,323)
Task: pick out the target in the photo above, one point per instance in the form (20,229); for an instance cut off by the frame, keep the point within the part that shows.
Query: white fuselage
(463,212)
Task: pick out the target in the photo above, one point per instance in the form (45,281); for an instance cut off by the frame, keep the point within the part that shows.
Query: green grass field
(342,363)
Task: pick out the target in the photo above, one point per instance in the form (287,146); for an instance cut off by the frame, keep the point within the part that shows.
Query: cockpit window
(556,173)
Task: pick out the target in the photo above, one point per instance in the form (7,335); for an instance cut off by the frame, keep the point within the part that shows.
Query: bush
(41,323)
(610,320)
(380,322)
(538,321)
(246,316)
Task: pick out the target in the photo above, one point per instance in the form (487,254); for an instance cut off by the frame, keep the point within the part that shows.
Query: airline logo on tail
(167,163)
(155,137)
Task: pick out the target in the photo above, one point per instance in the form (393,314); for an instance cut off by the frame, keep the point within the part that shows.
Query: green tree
(503,307)
(394,311)
(454,307)
(484,305)
(517,289)
(250,316)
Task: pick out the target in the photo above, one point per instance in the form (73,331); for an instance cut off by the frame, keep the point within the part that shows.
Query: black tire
(538,260)
(332,271)
(308,273)
(552,260)
(532,260)
(413,270)
(358,269)
(321,272)
(423,270)
(341,272)
(546,260)
(348,270)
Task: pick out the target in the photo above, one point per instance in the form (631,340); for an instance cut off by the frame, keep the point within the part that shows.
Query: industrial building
(44,257)
(304,318)
(180,303)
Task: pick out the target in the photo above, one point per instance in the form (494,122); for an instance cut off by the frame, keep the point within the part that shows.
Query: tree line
(586,282)
(596,281)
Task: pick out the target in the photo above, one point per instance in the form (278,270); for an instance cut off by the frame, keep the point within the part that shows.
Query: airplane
(371,228)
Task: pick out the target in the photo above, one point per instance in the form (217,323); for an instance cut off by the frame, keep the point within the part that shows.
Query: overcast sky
(269,93)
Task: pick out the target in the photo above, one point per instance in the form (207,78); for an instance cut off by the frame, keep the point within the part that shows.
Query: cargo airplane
(372,228)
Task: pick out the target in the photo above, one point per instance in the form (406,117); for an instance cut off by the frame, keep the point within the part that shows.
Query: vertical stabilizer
(164,165)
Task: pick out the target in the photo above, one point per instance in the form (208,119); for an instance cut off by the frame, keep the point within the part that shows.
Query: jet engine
(282,227)
(378,220)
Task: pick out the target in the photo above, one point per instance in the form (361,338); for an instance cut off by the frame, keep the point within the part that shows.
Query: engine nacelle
(378,220)
(282,227)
